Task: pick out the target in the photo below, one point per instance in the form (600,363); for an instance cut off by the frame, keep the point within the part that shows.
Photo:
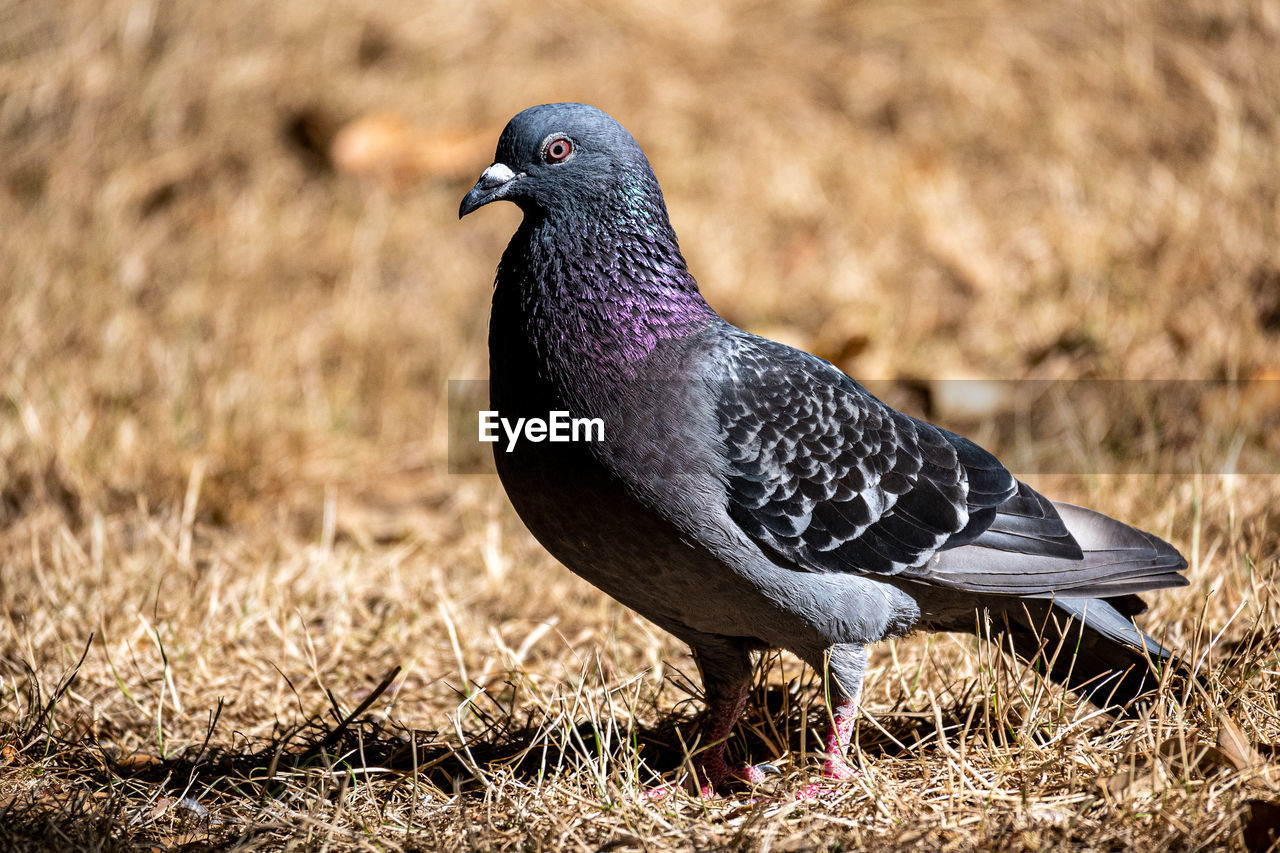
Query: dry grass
(225,512)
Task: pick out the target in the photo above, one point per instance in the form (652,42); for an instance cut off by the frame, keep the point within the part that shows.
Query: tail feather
(1114,560)
(1070,616)
(1089,647)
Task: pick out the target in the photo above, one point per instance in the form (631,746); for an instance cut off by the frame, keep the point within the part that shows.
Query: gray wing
(827,478)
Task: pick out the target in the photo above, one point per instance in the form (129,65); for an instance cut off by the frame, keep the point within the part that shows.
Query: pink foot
(717,779)
(836,769)
(833,773)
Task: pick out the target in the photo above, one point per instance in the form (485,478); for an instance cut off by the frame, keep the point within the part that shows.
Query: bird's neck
(595,295)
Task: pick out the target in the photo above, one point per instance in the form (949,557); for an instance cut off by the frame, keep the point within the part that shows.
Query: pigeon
(745,495)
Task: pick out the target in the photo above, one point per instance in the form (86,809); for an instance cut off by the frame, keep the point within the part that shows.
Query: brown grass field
(245,606)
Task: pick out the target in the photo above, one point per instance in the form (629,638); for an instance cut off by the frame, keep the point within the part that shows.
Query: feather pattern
(828,478)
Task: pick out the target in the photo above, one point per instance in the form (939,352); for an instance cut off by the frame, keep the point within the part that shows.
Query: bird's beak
(493,184)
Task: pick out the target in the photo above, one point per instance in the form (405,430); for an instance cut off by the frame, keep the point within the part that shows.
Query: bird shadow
(534,747)
(779,718)
(327,753)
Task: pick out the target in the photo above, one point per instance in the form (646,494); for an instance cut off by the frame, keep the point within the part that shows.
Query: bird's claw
(834,772)
(751,774)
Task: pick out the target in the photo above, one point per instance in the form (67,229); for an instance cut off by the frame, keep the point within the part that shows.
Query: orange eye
(557,150)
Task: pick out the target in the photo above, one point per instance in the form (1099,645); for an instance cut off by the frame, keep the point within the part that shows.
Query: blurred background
(193,270)
(233,289)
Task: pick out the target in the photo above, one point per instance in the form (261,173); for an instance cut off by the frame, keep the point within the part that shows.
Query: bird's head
(557,158)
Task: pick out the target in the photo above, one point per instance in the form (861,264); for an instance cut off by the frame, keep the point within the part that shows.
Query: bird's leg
(842,667)
(726,699)
(837,766)
(726,679)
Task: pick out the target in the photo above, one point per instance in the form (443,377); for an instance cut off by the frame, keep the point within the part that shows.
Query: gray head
(565,159)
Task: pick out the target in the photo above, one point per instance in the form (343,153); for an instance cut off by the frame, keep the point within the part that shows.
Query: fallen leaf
(159,808)
(138,761)
(1194,757)
(1235,745)
(1136,782)
(387,147)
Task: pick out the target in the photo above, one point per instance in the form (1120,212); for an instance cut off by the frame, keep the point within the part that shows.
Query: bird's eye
(557,149)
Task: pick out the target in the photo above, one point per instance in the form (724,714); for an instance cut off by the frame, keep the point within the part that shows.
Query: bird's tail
(1088,645)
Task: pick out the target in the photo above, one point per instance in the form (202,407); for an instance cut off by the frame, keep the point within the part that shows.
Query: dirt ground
(245,605)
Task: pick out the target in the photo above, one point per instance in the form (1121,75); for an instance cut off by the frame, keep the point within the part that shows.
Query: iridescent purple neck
(598,294)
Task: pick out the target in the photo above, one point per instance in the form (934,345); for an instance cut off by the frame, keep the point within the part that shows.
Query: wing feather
(827,478)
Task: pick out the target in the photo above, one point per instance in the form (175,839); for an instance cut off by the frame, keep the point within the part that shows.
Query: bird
(746,495)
